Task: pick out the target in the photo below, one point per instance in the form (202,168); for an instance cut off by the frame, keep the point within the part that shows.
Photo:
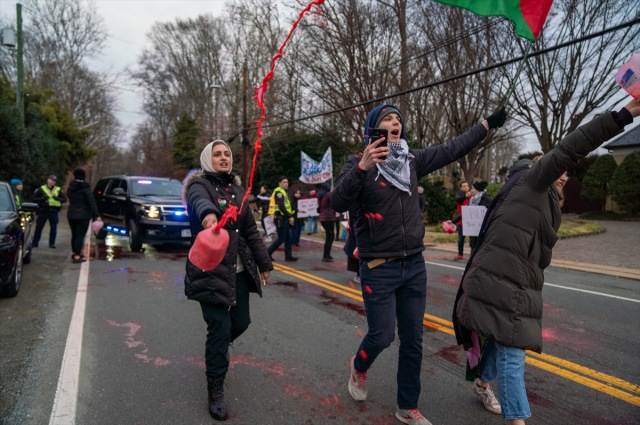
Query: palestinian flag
(528,16)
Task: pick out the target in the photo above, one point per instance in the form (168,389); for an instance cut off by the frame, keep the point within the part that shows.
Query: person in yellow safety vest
(50,199)
(17,184)
(280,208)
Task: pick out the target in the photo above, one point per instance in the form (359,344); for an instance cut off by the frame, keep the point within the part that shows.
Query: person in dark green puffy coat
(500,296)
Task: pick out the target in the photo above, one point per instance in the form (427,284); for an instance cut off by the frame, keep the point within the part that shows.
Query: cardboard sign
(309,206)
(472,219)
(269,224)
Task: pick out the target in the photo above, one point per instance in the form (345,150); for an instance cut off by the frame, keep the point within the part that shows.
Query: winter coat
(389,221)
(82,205)
(461,201)
(206,193)
(326,212)
(264,202)
(500,296)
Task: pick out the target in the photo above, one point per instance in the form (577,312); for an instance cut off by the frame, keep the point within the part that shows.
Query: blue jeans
(507,365)
(460,241)
(52,217)
(398,291)
(284,235)
(313,220)
(295,232)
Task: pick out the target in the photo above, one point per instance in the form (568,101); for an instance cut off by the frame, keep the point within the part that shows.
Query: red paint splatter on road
(360,333)
(351,284)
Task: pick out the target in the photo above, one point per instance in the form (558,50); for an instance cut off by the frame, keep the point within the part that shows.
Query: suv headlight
(152,212)
(5,240)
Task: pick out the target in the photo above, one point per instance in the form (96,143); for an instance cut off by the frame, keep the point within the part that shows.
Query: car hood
(169,200)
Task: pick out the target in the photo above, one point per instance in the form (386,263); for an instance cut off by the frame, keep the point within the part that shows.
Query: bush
(442,206)
(624,184)
(595,185)
(494,188)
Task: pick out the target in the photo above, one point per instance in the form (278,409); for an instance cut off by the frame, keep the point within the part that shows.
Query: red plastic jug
(449,228)
(96,225)
(629,77)
(209,248)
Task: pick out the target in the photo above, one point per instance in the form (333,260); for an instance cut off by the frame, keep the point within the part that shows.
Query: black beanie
(79,174)
(386,111)
(480,186)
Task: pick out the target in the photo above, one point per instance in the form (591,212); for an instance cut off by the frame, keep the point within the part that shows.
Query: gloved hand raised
(497,119)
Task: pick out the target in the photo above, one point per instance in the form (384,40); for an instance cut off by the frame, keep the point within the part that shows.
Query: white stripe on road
(553,285)
(64,404)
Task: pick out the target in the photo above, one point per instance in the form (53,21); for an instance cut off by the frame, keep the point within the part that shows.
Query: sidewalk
(604,252)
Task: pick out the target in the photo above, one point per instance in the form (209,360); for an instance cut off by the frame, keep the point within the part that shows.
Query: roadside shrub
(624,184)
(494,188)
(595,185)
(442,206)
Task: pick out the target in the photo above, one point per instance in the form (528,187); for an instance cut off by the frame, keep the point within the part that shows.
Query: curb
(579,235)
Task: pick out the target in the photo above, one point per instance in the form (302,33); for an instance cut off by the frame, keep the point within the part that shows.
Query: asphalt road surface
(142,346)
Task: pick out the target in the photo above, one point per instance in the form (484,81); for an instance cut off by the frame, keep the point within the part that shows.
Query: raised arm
(578,144)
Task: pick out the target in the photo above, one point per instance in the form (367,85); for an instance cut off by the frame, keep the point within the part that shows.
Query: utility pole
(20,82)
(245,140)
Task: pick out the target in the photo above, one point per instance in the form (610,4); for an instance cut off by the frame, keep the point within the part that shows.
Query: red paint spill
(351,284)
(451,354)
(363,355)
(366,288)
(360,333)
(335,397)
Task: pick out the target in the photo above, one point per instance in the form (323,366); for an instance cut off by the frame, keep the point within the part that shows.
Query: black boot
(217,406)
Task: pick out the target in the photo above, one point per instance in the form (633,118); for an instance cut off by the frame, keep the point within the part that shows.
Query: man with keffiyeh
(382,199)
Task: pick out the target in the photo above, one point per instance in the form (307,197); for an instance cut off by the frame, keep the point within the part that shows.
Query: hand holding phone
(377,134)
(375,154)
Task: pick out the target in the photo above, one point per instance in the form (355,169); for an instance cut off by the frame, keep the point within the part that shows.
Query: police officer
(280,208)
(50,199)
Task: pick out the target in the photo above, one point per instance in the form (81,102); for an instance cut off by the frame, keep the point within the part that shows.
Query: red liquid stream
(232,212)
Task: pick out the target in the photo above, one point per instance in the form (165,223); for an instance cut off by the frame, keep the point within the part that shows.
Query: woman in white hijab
(223,293)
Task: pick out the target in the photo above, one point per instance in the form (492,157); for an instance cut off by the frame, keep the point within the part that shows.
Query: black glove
(497,119)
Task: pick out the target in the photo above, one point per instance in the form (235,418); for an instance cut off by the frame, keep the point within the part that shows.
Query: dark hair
(461,183)
(79,174)
(264,186)
(282,178)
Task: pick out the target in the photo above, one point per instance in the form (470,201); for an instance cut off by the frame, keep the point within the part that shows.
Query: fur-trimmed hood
(198,173)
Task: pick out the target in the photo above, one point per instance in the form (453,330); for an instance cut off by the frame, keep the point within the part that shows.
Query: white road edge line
(64,404)
(554,285)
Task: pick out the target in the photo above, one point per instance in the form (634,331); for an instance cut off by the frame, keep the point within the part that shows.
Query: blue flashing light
(179,212)
(144,182)
(109,228)
(123,231)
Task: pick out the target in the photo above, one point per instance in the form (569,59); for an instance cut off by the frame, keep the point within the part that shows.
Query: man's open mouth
(395,132)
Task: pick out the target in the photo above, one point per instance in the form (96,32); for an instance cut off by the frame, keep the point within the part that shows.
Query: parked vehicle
(17,226)
(147,209)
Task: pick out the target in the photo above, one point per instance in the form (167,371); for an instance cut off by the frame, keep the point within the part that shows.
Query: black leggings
(78,232)
(329,229)
(224,325)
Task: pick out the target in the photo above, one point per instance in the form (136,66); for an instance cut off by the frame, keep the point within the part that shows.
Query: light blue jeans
(507,365)
(313,220)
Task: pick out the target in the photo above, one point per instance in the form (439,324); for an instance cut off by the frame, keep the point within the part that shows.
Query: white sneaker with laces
(357,383)
(411,417)
(488,398)
(356,279)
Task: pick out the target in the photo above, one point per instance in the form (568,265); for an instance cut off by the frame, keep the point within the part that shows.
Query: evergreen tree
(624,184)
(595,185)
(185,153)
(441,206)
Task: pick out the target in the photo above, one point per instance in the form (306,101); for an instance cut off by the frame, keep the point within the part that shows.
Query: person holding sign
(478,197)
(380,189)
(500,296)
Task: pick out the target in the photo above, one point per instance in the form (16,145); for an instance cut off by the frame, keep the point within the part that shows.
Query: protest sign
(270,226)
(314,172)
(307,207)
(472,219)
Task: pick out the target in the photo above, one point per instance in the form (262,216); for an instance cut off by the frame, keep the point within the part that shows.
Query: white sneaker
(357,383)
(356,279)
(411,417)
(488,398)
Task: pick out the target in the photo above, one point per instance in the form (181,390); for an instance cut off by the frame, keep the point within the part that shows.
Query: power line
(460,76)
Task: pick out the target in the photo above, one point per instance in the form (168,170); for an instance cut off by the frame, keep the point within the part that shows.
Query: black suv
(147,209)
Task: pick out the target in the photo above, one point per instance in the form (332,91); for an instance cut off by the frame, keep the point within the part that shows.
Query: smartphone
(378,133)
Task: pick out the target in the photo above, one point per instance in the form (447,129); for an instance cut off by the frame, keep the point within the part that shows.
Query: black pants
(52,217)
(329,230)
(225,325)
(78,231)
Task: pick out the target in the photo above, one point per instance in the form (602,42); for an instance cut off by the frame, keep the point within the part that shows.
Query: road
(142,346)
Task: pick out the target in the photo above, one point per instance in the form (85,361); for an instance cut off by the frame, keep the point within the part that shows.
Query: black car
(147,209)
(17,226)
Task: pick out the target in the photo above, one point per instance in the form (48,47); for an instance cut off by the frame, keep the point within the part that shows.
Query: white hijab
(205,156)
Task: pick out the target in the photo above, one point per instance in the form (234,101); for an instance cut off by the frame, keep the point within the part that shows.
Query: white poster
(270,225)
(472,219)
(316,172)
(307,207)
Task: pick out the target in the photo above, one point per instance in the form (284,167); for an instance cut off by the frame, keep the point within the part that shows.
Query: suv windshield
(152,187)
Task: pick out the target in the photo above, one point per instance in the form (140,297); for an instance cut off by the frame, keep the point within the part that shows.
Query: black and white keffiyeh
(397,169)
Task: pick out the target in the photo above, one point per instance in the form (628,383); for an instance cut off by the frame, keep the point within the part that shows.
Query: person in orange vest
(50,199)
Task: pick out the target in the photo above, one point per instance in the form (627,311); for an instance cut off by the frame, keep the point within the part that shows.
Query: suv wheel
(134,238)
(11,290)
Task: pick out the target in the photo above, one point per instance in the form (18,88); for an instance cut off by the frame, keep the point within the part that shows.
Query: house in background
(627,142)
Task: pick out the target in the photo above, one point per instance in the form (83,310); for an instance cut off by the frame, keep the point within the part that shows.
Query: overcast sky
(127,23)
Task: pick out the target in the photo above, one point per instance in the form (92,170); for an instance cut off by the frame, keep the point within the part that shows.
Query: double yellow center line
(588,377)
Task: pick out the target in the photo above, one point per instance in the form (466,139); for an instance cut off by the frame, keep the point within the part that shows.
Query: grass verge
(609,216)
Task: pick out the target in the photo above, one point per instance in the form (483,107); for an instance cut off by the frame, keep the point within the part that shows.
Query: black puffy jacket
(206,193)
(396,228)
(82,205)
